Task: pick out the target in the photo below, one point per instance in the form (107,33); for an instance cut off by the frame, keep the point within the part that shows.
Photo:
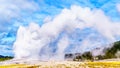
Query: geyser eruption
(54,37)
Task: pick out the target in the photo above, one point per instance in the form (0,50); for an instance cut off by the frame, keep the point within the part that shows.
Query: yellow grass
(66,64)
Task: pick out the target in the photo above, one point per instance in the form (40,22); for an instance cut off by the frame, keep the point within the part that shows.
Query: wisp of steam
(76,29)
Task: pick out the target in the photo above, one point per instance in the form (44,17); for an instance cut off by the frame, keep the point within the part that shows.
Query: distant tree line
(109,53)
(3,58)
(83,57)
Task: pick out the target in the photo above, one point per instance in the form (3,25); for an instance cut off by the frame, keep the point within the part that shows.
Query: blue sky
(22,12)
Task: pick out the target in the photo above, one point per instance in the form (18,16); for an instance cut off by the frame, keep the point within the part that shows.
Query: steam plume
(60,33)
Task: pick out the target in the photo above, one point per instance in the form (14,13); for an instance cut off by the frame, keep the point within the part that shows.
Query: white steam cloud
(118,7)
(38,42)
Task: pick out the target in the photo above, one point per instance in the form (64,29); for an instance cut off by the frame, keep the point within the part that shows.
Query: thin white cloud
(16,9)
(5,50)
(118,7)
(13,8)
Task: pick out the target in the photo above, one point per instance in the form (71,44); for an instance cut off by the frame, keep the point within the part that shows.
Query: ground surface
(66,64)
